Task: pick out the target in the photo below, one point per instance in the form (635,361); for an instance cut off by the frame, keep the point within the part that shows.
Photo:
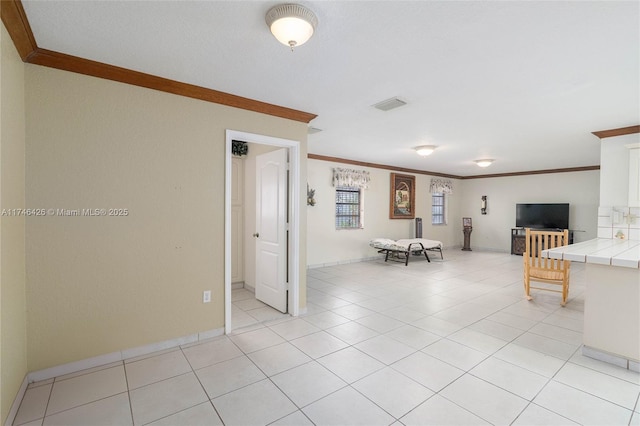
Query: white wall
(326,245)
(614,170)
(493,230)
(616,216)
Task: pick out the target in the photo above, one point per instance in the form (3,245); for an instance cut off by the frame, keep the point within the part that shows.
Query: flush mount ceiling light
(425,150)
(484,163)
(291,24)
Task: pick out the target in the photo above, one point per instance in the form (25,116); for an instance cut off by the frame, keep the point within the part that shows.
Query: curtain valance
(351,178)
(444,186)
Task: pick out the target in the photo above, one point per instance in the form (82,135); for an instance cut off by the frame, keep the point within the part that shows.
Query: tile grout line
(502,289)
(126,379)
(193,371)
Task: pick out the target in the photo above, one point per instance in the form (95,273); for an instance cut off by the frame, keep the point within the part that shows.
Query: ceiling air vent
(389,104)
(313,130)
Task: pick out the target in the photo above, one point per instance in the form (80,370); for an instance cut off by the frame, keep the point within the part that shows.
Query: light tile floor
(246,310)
(447,342)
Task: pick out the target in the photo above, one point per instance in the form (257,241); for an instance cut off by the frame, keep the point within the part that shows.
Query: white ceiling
(523,82)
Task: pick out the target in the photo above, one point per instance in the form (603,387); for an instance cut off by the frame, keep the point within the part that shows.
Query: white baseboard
(74,367)
(210,334)
(489,249)
(616,360)
(343,262)
(13,412)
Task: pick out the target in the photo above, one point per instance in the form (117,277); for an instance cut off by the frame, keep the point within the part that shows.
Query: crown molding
(426,172)
(17,25)
(535,172)
(78,65)
(378,166)
(617,132)
(15,20)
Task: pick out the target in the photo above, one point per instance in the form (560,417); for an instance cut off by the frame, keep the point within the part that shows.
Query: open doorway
(240,296)
(258,234)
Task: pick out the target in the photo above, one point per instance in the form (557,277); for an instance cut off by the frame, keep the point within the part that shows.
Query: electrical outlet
(206,296)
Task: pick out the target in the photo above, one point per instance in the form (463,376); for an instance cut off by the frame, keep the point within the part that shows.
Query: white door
(271,229)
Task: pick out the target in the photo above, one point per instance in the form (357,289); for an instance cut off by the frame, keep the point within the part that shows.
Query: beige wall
(327,245)
(13,321)
(102,284)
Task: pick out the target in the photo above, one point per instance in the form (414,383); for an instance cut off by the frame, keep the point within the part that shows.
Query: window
(437,208)
(348,208)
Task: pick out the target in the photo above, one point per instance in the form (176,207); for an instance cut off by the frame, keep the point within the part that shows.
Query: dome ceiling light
(292,24)
(425,150)
(484,163)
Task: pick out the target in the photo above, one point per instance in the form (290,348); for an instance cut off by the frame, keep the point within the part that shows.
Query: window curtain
(351,178)
(444,186)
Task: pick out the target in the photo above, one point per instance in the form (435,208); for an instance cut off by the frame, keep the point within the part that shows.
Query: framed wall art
(403,196)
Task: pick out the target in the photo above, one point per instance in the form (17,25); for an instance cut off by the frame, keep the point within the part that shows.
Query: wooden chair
(550,271)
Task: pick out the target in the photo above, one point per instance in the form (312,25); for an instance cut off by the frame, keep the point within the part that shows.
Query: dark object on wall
(403,196)
(542,216)
(239,148)
(483,205)
(311,193)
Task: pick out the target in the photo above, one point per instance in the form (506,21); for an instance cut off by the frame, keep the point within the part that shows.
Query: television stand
(518,239)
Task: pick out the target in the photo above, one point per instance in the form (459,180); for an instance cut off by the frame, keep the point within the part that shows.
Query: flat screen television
(542,216)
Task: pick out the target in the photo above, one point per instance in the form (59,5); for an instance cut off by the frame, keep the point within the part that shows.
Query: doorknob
(256,235)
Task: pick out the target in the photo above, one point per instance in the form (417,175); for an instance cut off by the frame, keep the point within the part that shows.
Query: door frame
(294,217)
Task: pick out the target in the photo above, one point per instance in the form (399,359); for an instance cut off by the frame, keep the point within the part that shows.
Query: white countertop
(601,251)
